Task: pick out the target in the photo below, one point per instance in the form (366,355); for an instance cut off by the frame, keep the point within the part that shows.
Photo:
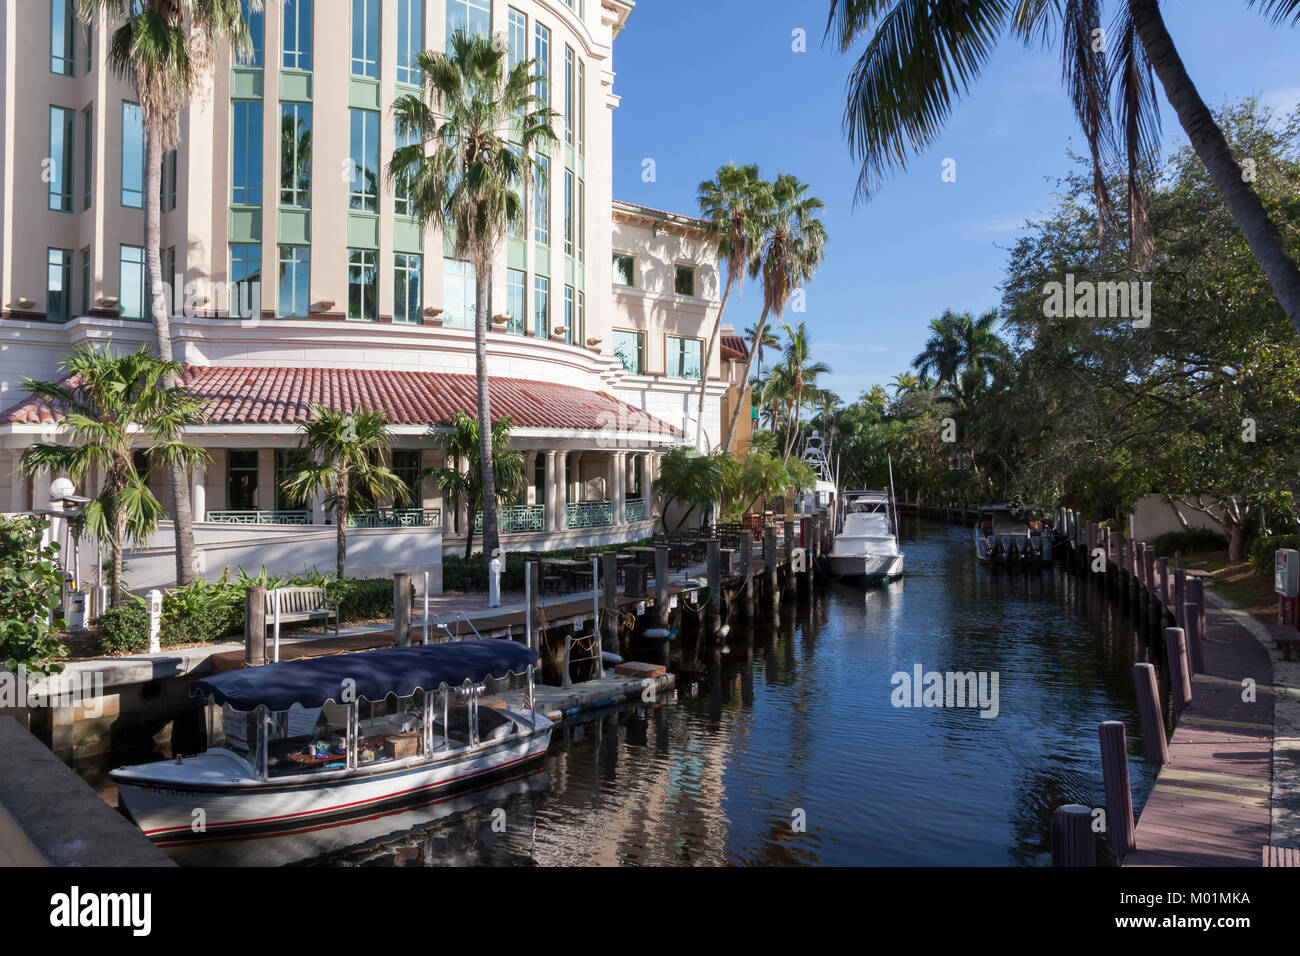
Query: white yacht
(866,548)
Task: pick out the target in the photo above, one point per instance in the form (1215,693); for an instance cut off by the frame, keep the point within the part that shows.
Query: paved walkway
(1214,803)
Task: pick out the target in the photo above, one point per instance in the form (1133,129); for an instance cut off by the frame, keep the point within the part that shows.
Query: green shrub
(1192,541)
(123,630)
(30,586)
(459,574)
(1263,552)
(363,599)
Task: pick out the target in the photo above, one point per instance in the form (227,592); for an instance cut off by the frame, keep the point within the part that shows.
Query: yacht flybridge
(301,742)
(866,547)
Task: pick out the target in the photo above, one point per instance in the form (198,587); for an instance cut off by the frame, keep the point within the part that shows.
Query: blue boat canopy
(373,674)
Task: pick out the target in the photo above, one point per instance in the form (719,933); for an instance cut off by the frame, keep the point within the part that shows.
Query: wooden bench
(1286,638)
(302,604)
(1281,856)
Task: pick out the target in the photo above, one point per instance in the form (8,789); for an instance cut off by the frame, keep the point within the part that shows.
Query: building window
(169,269)
(132,157)
(246,137)
(62,38)
(582,318)
(570,330)
(88,43)
(297,35)
(255,19)
(60,158)
(295,282)
(582,220)
(295,155)
(568,212)
(87,156)
(542,200)
(582,108)
(131,273)
(410,40)
(541,307)
(683,358)
(569,90)
(684,280)
(365,38)
(624,269)
(517,37)
(629,348)
(246,281)
(471,17)
(363,188)
(58,285)
(167,182)
(515,280)
(403,193)
(406,466)
(542,53)
(458,294)
(363,284)
(406,288)
(287,462)
(241,480)
(85,281)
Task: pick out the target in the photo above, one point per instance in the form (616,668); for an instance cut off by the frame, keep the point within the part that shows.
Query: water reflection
(794,723)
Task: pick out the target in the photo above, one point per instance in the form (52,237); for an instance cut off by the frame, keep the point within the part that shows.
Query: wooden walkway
(1210,805)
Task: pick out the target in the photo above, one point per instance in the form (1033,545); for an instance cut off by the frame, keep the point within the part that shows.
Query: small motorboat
(1013,534)
(866,547)
(303,742)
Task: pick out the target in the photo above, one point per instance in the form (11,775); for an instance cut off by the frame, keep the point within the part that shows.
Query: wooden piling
(769,565)
(1196,595)
(747,567)
(532,624)
(255,626)
(402,609)
(1192,615)
(1151,713)
(1180,669)
(1119,792)
(661,585)
(1179,595)
(713,613)
(1162,581)
(609,623)
(1072,840)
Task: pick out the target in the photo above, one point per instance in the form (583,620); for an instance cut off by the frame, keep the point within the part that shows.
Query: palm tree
(109,406)
(460,478)
(793,246)
(484,125)
(768,341)
(922,56)
(803,375)
(166,48)
(961,343)
(734,203)
(343,461)
(692,479)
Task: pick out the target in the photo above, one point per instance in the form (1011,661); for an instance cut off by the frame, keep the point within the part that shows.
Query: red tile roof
(734,347)
(279,396)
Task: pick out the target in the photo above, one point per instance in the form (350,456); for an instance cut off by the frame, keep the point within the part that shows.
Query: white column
(41,482)
(18,488)
(561,491)
(199,493)
(548,490)
(647,483)
(620,487)
(464,520)
(530,473)
(611,489)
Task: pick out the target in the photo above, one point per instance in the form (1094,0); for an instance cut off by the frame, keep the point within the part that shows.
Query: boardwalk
(1210,804)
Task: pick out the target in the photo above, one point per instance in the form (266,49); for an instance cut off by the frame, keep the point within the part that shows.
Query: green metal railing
(589,514)
(398,518)
(516,519)
(635,509)
(260,517)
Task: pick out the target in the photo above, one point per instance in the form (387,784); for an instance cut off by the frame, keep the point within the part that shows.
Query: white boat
(866,548)
(303,742)
(1013,534)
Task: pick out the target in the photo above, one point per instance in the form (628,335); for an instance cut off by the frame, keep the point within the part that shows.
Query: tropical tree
(342,460)
(922,56)
(803,373)
(166,48)
(473,147)
(793,246)
(111,408)
(962,343)
(461,477)
(766,341)
(692,479)
(734,203)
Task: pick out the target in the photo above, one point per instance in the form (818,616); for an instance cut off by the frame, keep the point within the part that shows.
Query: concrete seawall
(50,817)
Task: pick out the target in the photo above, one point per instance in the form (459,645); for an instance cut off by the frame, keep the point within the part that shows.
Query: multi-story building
(297,273)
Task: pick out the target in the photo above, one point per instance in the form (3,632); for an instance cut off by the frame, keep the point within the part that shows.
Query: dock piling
(1072,840)
(1151,714)
(255,626)
(1119,792)
(402,609)
(747,568)
(1180,677)
(713,614)
(1192,617)
(609,624)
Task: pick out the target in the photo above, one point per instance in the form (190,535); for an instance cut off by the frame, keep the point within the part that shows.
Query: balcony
(397,518)
(589,514)
(516,519)
(259,517)
(635,509)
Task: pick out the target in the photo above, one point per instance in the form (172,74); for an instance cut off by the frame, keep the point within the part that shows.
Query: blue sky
(920,245)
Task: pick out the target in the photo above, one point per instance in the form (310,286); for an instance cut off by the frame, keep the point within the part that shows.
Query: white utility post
(155,620)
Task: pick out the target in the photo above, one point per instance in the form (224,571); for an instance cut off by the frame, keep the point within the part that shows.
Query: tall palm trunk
(117,544)
(491,540)
(794,425)
(749,365)
(341,519)
(1263,237)
(708,356)
(182,512)
(470,509)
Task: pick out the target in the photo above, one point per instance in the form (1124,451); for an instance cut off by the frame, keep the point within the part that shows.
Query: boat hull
(169,812)
(865,568)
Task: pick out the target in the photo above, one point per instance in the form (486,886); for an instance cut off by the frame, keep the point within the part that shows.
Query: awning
(371,675)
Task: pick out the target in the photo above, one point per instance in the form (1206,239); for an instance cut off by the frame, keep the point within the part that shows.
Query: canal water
(789,749)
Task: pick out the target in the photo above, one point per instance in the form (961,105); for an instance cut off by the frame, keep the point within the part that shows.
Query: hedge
(1263,552)
(1191,541)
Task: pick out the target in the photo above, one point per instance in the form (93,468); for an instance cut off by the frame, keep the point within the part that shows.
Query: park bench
(302,604)
(1281,856)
